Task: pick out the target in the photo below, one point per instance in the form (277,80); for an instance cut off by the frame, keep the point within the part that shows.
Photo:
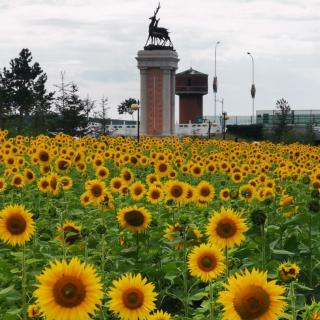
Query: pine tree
(23,87)
(71,109)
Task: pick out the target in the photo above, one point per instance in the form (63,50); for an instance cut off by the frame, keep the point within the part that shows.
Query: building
(191,86)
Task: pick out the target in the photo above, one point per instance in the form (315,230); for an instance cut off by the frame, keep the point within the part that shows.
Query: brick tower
(157,91)
(191,86)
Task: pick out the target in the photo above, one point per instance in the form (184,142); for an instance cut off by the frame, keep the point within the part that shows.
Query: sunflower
(3,184)
(62,165)
(127,175)
(206,262)
(205,191)
(69,291)
(66,183)
(176,190)
(288,271)
(29,175)
(116,184)
(137,191)
(162,169)
(102,172)
(17,180)
(226,228)
(107,202)
(246,192)
(54,183)
(96,190)
(152,178)
(44,184)
(134,219)
(85,199)
(154,194)
(69,233)
(131,297)
(159,315)
(249,296)
(224,194)
(33,311)
(43,156)
(16,225)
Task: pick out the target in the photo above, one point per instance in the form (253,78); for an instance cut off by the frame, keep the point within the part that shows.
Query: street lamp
(253,88)
(222,112)
(136,106)
(215,81)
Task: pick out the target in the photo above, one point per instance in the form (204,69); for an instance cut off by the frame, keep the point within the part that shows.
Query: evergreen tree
(23,87)
(71,109)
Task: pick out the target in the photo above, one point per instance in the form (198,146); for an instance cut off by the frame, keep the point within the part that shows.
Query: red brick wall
(154,99)
(190,106)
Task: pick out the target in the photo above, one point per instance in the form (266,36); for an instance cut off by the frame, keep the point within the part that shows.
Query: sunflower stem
(24,283)
(86,249)
(310,250)
(63,235)
(263,247)
(211,301)
(137,248)
(227,262)
(185,279)
(293,300)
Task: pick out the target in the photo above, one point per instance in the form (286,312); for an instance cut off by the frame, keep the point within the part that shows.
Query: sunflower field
(167,228)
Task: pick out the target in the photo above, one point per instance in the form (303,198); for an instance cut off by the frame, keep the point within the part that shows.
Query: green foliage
(252,131)
(125,106)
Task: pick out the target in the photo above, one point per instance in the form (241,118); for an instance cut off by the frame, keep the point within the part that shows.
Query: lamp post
(253,87)
(136,106)
(215,81)
(222,111)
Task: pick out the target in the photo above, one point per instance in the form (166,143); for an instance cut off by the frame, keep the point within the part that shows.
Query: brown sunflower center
(162,167)
(176,191)
(226,228)
(17,181)
(29,175)
(16,224)
(63,165)
(127,176)
(207,263)
(69,292)
(205,191)
(252,302)
(133,298)
(71,234)
(117,184)
(53,183)
(44,156)
(137,190)
(197,170)
(134,218)
(155,194)
(96,190)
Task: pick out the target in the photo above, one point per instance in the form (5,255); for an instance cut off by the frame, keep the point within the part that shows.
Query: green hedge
(251,131)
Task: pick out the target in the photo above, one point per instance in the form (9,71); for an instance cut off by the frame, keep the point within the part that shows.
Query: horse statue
(159,36)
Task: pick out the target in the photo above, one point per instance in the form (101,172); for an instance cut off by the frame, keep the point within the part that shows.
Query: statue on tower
(159,37)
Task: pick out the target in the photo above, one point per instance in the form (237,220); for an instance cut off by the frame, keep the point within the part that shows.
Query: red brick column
(155,101)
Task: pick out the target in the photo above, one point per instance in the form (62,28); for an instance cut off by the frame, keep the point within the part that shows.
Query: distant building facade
(191,86)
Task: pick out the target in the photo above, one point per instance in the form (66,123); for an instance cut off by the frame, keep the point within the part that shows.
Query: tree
(71,109)
(282,117)
(43,101)
(23,87)
(125,106)
(103,114)
(88,106)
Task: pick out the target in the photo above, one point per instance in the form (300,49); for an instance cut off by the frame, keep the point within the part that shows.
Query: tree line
(26,106)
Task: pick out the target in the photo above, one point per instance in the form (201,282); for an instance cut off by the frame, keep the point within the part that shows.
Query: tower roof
(190,71)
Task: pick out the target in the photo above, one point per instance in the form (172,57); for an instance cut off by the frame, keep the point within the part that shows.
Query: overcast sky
(96,41)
